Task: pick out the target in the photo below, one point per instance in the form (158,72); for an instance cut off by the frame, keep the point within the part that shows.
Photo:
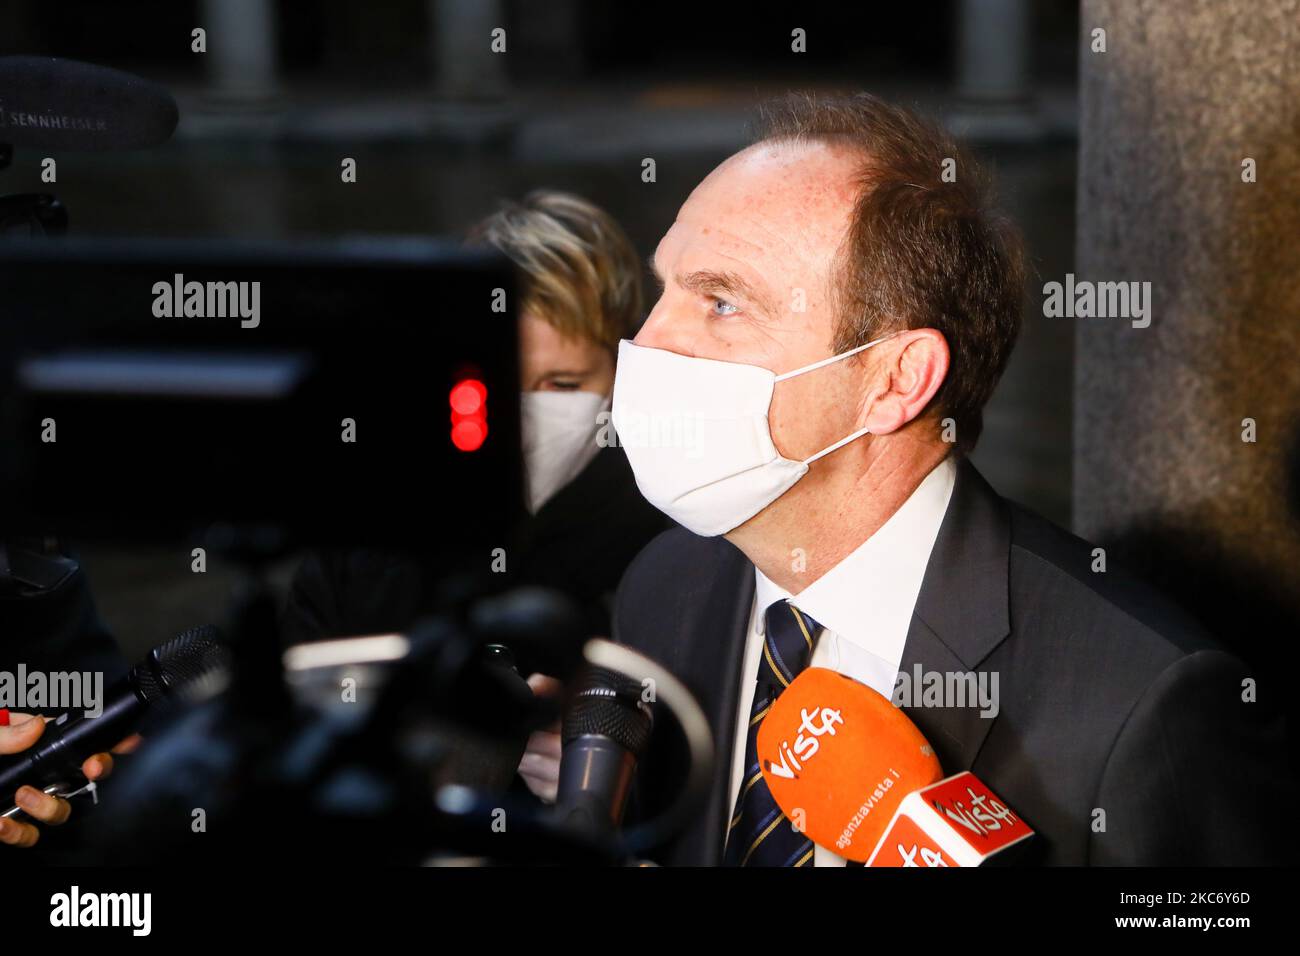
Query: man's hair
(920,252)
(581,273)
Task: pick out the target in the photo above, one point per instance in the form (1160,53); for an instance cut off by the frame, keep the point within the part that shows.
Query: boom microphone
(64,104)
(163,673)
(606,729)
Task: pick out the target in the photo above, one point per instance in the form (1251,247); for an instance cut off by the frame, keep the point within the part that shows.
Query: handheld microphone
(838,758)
(955,822)
(161,676)
(605,731)
(64,104)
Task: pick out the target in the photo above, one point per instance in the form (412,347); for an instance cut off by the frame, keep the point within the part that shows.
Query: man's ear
(912,367)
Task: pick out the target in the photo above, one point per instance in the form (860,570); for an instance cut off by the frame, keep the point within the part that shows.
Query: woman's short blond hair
(581,273)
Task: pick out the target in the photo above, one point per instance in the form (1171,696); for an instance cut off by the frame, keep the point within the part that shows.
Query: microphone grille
(185,658)
(608,704)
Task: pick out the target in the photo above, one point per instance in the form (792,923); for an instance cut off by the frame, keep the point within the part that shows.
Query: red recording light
(468,396)
(468,401)
(468,435)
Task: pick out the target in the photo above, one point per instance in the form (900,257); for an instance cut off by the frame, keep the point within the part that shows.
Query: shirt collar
(868,598)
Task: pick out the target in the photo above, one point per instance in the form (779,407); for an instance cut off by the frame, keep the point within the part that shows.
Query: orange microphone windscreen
(839,758)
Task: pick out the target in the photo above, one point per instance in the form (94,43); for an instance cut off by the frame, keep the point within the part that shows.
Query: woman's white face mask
(697,435)
(559,438)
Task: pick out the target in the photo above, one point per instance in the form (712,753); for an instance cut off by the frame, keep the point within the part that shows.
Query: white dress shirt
(864,603)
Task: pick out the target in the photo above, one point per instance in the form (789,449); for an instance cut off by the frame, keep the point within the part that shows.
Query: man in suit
(838,304)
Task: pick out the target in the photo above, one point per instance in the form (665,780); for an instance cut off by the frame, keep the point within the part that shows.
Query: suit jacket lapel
(961,612)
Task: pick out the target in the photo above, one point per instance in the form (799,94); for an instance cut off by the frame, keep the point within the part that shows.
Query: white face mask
(559,439)
(697,435)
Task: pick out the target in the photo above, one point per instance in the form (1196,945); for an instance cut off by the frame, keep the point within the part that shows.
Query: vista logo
(806,743)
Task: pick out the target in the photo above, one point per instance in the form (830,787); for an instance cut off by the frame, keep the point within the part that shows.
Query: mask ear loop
(827,361)
(835,358)
(839,444)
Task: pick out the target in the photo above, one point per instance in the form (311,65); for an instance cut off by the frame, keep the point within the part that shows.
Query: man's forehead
(783,175)
(772,199)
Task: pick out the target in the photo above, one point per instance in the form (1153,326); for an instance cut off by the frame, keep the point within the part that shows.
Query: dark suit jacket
(1111,699)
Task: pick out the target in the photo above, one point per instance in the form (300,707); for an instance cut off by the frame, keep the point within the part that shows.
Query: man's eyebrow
(708,282)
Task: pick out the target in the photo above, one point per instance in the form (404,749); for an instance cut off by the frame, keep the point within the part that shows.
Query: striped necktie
(759,833)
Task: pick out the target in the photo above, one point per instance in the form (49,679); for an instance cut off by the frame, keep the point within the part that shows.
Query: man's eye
(723,307)
(563,386)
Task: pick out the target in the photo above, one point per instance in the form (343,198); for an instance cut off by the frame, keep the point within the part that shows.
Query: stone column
(993,48)
(460,45)
(1184,95)
(241,57)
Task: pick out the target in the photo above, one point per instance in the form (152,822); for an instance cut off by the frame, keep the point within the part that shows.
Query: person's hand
(22,732)
(540,766)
